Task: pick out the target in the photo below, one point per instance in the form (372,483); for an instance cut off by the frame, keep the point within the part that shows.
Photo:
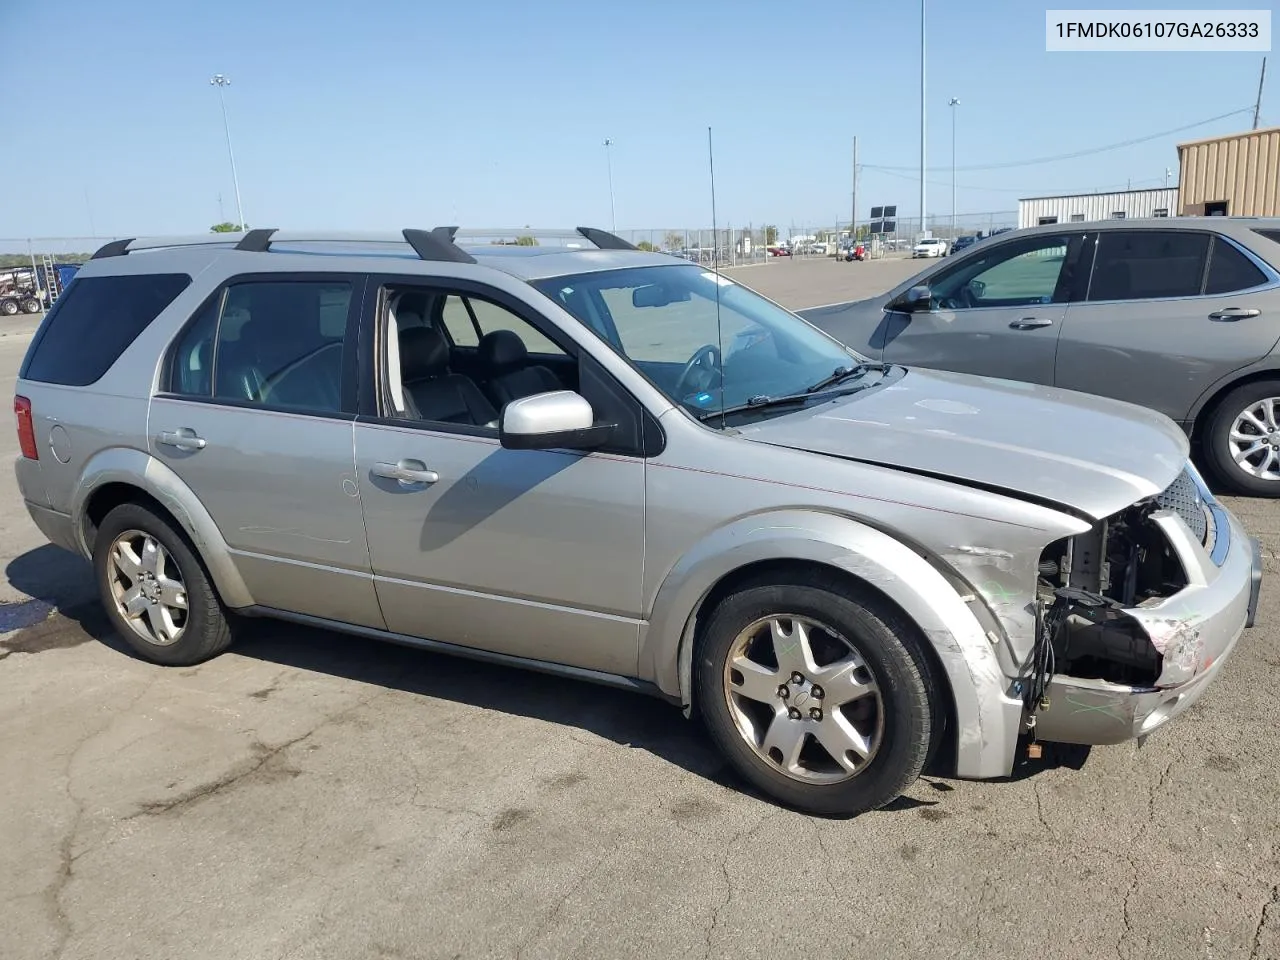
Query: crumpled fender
(141,470)
(988,717)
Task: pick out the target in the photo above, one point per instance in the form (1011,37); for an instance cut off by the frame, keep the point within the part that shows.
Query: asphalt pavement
(309,795)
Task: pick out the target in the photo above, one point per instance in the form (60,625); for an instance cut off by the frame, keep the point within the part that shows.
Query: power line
(1079,153)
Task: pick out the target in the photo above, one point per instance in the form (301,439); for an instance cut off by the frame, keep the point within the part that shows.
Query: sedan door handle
(1031,323)
(408,472)
(184,439)
(1234,313)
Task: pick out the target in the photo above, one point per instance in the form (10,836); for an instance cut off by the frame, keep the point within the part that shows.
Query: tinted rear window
(94,321)
(1145,264)
(1231,270)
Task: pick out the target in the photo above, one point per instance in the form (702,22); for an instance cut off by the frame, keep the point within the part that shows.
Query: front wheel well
(809,573)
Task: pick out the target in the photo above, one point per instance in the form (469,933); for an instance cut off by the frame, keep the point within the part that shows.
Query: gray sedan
(1181,315)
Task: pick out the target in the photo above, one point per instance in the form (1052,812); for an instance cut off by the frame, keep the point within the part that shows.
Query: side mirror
(919,299)
(545,421)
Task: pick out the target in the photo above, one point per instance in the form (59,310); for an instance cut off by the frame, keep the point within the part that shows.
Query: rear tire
(854,731)
(31,305)
(155,590)
(1247,411)
(9,308)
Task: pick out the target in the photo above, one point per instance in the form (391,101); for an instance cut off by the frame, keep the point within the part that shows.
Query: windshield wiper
(764,401)
(844,373)
(761,402)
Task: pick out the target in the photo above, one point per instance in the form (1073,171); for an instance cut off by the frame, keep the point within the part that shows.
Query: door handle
(1234,313)
(408,472)
(184,439)
(1031,323)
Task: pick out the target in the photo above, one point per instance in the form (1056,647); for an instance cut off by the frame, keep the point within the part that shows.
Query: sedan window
(1231,270)
(1013,274)
(1148,264)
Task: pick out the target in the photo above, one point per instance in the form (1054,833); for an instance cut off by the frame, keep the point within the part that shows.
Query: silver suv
(574,456)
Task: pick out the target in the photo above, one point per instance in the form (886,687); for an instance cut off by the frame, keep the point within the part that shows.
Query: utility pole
(953,103)
(923,219)
(1257,104)
(853,213)
(608,160)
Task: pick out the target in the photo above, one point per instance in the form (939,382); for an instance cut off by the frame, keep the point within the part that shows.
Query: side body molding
(988,716)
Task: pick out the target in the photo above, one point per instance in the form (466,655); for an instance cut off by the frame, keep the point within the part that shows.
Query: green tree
(526,241)
(647,246)
(673,241)
(228,227)
(770,235)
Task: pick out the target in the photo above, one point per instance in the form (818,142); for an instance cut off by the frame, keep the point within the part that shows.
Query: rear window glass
(1147,264)
(1231,270)
(94,321)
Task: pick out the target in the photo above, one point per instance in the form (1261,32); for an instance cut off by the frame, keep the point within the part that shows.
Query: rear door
(1166,314)
(997,312)
(256,414)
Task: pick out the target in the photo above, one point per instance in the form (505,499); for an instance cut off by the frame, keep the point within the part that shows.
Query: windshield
(663,319)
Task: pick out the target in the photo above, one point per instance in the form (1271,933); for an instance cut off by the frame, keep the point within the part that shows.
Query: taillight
(26,429)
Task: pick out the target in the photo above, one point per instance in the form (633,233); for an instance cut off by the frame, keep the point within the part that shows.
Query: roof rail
(605,240)
(438,244)
(113,248)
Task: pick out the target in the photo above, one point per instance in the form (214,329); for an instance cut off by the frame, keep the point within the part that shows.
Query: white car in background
(930,247)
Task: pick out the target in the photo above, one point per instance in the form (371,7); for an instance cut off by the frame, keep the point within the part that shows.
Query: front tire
(816,697)
(155,589)
(1242,439)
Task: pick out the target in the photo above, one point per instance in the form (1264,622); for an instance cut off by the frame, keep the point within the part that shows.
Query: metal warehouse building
(1236,176)
(1074,208)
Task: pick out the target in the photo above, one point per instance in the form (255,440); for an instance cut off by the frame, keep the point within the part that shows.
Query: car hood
(1091,455)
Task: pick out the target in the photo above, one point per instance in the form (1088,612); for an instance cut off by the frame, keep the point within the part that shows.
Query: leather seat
(432,391)
(508,376)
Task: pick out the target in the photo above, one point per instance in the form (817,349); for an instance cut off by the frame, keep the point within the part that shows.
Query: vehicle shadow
(62,583)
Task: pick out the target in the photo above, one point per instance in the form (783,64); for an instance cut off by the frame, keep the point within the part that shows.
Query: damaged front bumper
(1195,630)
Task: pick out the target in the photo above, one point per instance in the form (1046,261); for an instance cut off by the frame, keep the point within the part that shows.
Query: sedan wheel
(1255,438)
(1242,439)
(803,699)
(818,695)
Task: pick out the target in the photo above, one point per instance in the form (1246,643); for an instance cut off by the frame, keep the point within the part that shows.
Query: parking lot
(316,796)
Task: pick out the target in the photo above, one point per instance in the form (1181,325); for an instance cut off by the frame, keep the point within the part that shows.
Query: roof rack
(438,244)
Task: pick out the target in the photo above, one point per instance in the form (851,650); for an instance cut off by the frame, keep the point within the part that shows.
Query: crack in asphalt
(1263,916)
(240,772)
(728,849)
(1152,790)
(554,912)
(56,888)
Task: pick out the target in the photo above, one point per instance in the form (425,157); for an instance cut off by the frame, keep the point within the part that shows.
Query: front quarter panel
(890,530)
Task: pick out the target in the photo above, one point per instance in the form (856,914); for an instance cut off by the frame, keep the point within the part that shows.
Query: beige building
(1235,176)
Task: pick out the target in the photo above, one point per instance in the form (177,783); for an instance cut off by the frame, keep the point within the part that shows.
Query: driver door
(995,313)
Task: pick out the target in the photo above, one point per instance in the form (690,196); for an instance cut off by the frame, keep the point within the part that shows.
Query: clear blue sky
(383,114)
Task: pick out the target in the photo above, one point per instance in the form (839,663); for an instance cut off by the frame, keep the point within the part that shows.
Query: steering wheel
(706,360)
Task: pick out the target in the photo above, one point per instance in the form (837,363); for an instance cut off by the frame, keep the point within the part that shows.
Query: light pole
(953,103)
(219,81)
(923,219)
(608,162)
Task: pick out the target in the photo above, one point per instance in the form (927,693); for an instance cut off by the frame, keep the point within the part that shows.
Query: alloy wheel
(1254,440)
(803,698)
(147,586)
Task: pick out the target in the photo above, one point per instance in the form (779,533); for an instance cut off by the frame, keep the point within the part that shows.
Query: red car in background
(779,251)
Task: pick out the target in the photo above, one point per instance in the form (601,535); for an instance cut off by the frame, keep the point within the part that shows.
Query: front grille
(1183,498)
